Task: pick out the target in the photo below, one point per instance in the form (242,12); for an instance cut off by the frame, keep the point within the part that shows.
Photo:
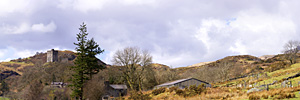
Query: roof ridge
(181,80)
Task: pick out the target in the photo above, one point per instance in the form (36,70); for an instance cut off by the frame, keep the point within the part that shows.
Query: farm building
(183,83)
(58,84)
(115,90)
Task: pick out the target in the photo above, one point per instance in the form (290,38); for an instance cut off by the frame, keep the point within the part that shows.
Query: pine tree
(86,63)
(93,63)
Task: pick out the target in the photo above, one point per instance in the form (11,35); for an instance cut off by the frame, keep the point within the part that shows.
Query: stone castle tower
(52,55)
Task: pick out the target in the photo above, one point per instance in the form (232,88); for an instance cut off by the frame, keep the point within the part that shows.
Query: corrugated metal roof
(177,81)
(118,86)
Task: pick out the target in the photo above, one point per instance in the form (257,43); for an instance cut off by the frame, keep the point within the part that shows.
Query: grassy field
(2,98)
(234,94)
(240,93)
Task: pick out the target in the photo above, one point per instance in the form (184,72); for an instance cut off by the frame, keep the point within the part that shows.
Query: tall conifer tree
(86,63)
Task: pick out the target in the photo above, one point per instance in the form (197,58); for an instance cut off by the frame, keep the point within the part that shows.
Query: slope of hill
(265,57)
(158,66)
(275,79)
(241,70)
(20,65)
(200,64)
(236,65)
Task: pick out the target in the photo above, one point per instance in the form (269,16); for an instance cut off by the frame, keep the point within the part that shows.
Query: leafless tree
(134,60)
(238,71)
(224,70)
(291,50)
(211,74)
(166,75)
(94,89)
(149,80)
(34,91)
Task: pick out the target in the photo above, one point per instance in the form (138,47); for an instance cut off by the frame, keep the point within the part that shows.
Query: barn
(183,83)
(115,90)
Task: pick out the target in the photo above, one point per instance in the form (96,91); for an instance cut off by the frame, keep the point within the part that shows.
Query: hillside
(265,57)
(243,73)
(39,59)
(200,64)
(275,79)
(21,73)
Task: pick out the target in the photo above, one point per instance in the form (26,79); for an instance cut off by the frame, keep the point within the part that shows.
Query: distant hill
(39,59)
(158,66)
(265,57)
(239,60)
(200,64)
(271,75)
(63,56)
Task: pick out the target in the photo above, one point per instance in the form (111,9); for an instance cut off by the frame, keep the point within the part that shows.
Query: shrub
(240,94)
(293,95)
(119,98)
(290,95)
(272,95)
(280,97)
(248,88)
(171,89)
(200,89)
(193,88)
(179,92)
(197,90)
(286,95)
(265,96)
(226,96)
(254,97)
(297,89)
(139,96)
(190,91)
(215,97)
(159,91)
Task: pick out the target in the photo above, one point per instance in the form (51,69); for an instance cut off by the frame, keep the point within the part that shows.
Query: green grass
(12,62)
(283,73)
(290,72)
(297,94)
(2,98)
(291,68)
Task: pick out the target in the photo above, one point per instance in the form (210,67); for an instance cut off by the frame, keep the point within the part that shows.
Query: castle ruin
(52,55)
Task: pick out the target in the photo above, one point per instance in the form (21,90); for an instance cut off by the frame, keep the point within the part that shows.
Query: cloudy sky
(176,32)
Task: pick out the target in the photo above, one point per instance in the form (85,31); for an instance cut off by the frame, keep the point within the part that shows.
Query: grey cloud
(167,28)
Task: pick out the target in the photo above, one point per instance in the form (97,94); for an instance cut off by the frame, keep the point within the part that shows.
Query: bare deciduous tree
(291,50)
(34,91)
(94,89)
(134,62)
(224,70)
(166,75)
(150,80)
